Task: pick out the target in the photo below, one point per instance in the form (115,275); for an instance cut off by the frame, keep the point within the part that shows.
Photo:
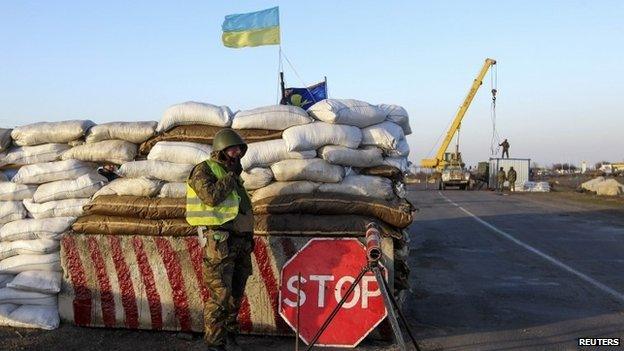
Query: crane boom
(439,162)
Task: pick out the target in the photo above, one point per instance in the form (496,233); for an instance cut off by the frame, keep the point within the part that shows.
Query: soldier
(500,179)
(511,177)
(218,204)
(505,145)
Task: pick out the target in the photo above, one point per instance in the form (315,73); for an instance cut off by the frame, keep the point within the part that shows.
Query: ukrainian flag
(251,29)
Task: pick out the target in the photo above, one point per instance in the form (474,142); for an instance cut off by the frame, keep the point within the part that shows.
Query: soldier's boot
(231,344)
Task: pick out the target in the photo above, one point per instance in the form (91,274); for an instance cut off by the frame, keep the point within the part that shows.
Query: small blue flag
(305,97)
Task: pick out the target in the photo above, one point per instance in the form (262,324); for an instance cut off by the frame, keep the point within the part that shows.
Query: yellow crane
(442,158)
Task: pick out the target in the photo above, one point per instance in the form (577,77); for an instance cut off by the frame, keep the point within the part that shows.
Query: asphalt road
(514,272)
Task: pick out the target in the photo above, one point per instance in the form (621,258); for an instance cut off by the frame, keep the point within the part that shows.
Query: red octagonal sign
(328,267)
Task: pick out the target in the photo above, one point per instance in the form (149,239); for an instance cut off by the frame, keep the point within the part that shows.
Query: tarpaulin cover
(115,225)
(383,171)
(137,207)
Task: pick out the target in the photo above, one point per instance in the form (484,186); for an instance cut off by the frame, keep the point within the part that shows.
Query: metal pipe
(373,242)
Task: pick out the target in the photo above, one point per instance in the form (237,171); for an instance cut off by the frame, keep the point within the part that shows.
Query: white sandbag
(168,171)
(195,113)
(140,186)
(27,247)
(314,135)
(32,316)
(81,187)
(22,263)
(18,297)
(314,170)
(10,191)
(52,171)
(176,190)
(256,178)
(111,151)
(38,281)
(266,153)
(397,162)
(344,156)
(5,279)
(32,229)
(398,115)
(74,143)
(5,139)
(365,185)
(592,184)
(180,152)
(50,132)
(275,117)
(610,187)
(26,155)
(134,132)
(402,149)
(385,135)
(59,208)
(11,211)
(284,188)
(347,111)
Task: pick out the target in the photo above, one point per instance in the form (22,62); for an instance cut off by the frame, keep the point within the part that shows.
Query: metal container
(520,165)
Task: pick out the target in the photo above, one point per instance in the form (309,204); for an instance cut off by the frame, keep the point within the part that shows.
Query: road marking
(619,296)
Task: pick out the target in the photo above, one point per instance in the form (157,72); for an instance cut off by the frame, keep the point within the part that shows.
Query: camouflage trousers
(227,265)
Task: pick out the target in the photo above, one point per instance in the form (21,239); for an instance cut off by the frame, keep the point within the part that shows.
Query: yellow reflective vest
(200,214)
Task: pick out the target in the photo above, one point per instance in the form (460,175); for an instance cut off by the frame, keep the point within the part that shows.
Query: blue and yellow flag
(252,29)
(305,97)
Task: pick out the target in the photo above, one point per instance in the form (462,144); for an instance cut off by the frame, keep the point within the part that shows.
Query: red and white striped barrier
(145,282)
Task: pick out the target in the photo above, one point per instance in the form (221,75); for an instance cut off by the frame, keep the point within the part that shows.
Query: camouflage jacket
(213,191)
(511,176)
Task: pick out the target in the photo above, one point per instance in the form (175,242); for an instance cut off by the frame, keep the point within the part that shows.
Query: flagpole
(283,89)
(326,89)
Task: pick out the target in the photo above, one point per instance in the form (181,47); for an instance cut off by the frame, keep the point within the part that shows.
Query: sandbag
(390,172)
(398,115)
(204,134)
(5,279)
(397,213)
(52,171)
(137,207)
(50,132)
(81,187)
(110,151)
(180,152)
(314,135)
(26,155)
(11,211)
(275,117)
(37,281)
(284,188)
(256,178)
(314,170)
(22,263)
(5,139)
(32,229)
(317,225)
(402,149)
(134,132)
(347,111)
(266,153)
(3,177)
(114,225)
(374,187)
(171,172)
(10,191)
(385,135)
(195,113)
(610,187)
(344,156)
(32,316)
(59,208)
(27,247)
(18,297)
(397,162)
(173,190)
(140,186)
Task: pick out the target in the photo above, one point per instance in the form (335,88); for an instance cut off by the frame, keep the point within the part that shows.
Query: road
(512,272)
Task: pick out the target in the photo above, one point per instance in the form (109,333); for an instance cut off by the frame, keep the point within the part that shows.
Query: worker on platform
(500,180)
(511,177)
(505,145)
(218,204)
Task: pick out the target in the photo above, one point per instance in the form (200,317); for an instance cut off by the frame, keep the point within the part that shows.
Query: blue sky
(560,71)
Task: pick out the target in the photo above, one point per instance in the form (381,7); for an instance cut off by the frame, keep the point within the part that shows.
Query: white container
(520,165)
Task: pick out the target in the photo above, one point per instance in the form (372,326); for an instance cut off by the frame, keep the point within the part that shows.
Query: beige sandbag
(275,117)
(10,191)
(60,208)
(398,115)
(256,178)
(39,173)
(23,263)
(180,152)
(192,112)
(344,156)
(284,188)
(32,229)
(134,132)
(375,187)
(173,190)
(266,153)
(112,225)
(26,155)
(5,139)
(11,211)
(314,135)
(27,247)
(113,151)
(140,186)
(50,132)
(610,187)
(385,135)
(171,172)
(347,111)
(82,187)
(314,170)
(137,207)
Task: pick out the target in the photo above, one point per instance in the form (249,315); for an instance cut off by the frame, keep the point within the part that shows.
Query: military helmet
(228,137)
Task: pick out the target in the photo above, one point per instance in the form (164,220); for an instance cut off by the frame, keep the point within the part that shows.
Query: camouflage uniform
(511,177)
(505,145)
(500,180)
(227,262)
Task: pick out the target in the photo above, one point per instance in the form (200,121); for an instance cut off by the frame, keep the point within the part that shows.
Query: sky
(560,65)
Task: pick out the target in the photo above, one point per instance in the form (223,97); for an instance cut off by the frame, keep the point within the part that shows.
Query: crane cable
(495,141)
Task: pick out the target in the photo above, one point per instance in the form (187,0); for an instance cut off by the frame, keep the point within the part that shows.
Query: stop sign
(328,267)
